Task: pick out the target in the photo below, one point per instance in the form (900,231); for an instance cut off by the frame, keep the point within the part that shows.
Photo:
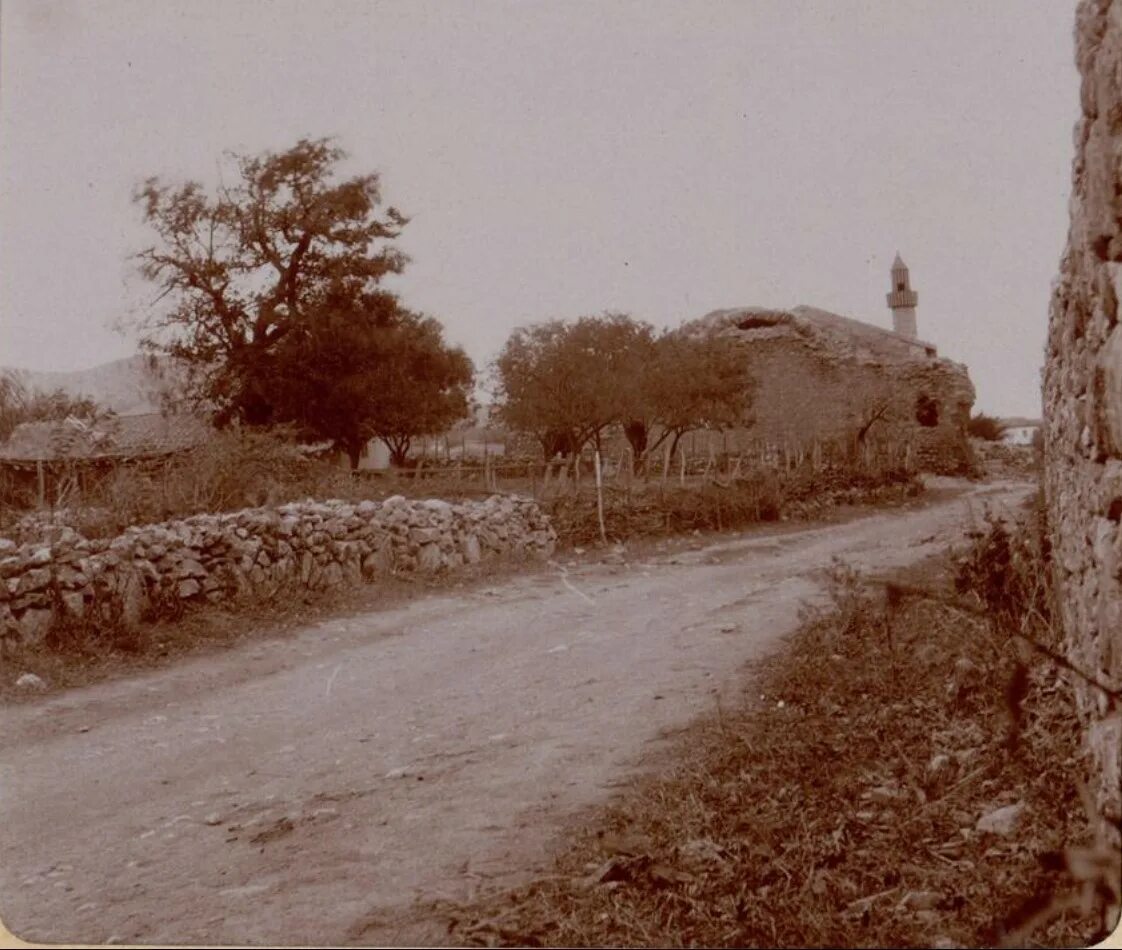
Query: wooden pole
(682,469)
(600,498)
(42,482)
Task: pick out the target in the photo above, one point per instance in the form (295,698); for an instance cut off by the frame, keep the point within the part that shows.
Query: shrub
(989,428)
(1008,571)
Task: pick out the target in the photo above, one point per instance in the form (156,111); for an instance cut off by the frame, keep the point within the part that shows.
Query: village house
(43,458)
(1020,431)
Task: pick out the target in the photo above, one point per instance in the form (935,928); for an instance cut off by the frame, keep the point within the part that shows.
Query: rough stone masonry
(1083,394)
(63,577)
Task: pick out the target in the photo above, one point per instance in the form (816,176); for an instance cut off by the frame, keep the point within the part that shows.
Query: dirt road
(310,789)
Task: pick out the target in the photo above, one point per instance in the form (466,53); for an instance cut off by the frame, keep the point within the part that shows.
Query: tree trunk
(399,450)
(354,453)
(636,433)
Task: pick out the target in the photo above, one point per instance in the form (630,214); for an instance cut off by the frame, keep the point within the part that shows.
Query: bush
(989,428)
(760,495)
(1008,571)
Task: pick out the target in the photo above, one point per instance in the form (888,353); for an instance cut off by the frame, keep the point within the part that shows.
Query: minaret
(902,299)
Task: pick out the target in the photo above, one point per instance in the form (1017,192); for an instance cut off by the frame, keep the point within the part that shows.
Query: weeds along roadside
(908,773)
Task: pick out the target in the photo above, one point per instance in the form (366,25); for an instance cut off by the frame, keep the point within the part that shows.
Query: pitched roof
(147,435)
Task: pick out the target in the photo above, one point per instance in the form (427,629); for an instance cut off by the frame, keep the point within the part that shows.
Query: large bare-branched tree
(244,266)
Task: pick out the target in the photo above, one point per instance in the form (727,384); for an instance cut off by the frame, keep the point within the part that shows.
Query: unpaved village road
(310,789)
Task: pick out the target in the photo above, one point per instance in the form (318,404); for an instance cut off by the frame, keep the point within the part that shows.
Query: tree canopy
(989,428)
(695,381)
(276,306)
(566,383)
(241,268)
(370,369)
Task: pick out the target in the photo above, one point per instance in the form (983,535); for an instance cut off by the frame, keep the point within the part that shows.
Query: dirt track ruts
(310,789)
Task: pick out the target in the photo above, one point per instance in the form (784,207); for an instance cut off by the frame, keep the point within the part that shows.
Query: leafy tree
(691,381)
(986,427)
(567,382)
(247,265)
(370,369)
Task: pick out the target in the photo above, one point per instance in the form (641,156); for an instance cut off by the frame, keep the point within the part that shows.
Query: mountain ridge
(131,385)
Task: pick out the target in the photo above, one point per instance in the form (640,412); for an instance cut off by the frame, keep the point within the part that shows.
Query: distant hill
(128,386)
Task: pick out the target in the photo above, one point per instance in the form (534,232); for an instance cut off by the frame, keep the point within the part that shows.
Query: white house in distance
(471,438)
(1020,431)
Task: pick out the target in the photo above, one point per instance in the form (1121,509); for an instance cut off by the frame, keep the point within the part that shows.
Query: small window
(927,411)
(899,285)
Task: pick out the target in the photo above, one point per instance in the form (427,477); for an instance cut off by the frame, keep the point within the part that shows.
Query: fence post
(600,498)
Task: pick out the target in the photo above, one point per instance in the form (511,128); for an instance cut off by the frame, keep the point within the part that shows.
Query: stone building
(832,379)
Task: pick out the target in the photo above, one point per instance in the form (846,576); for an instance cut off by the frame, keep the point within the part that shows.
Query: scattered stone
(882,795)
(40,557)
(429,558)
(34,624)
(1001,821)
(189,588)
(921,900)
(31,681)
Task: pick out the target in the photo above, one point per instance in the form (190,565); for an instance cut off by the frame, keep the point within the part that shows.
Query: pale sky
(565,158)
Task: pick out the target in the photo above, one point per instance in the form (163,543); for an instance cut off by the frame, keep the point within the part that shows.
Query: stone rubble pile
(313,545)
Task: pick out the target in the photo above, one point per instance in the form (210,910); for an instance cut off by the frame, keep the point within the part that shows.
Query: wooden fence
(547,478)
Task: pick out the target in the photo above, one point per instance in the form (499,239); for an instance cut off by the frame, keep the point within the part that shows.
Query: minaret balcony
(903,298)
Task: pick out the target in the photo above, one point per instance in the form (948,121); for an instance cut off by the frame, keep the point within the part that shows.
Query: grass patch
(840,804)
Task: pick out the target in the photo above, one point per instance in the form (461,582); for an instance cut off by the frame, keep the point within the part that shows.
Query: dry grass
(838,806)
(654,510)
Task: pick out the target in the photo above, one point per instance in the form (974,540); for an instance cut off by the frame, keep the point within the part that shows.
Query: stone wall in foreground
(1083,395)
(154,569)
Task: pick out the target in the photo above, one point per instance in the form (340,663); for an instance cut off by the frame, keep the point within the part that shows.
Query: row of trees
(274,303)
(568,383)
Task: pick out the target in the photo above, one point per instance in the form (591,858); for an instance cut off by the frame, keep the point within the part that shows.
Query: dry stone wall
(1083,393)
(252,553)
